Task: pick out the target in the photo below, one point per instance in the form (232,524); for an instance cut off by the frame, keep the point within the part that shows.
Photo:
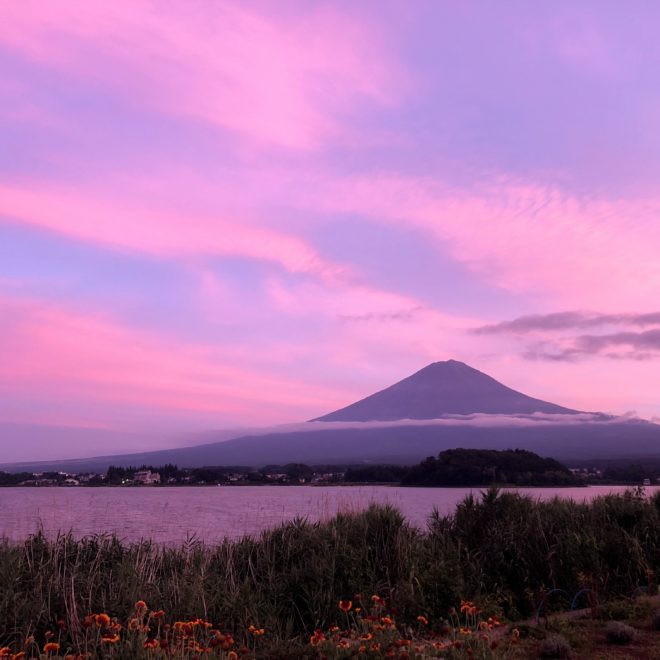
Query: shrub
(618,632)
(554,646)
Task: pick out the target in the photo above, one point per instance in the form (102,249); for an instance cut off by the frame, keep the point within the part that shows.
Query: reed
(502,550)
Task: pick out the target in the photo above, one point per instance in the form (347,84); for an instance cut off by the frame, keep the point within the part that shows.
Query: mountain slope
(401,444)
(440,389)
(445,405)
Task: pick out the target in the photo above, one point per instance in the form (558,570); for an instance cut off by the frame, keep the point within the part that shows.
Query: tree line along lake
(170,515)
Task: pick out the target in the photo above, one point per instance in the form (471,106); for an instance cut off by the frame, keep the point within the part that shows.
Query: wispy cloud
(565,321)
(618,346)
(281,77)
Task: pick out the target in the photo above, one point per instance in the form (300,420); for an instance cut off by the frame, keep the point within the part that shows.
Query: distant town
(457,467)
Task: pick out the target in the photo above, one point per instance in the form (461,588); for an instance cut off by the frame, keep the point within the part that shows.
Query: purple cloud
(565,321)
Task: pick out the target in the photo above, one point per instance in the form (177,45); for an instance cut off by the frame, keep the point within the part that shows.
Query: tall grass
(502,548)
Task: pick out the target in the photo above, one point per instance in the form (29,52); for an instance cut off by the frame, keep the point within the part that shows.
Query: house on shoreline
(146,478)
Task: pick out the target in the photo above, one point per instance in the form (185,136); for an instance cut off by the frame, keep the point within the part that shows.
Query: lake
(169,515)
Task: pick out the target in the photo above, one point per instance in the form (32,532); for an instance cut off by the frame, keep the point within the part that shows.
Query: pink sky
(222,214)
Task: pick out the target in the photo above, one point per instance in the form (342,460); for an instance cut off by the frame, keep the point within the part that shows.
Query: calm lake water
(170,515)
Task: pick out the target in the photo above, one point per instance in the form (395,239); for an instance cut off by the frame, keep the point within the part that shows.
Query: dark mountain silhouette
(440,389)
(415,418)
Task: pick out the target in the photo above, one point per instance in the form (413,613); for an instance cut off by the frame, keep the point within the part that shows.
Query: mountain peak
(439,389)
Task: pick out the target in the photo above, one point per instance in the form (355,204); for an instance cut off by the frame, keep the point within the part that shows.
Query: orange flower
(110,639)
(423,620)
(151,644)
(158,614)
(140,606)
(317,638)
(5,652)
(51,647)
(102,620)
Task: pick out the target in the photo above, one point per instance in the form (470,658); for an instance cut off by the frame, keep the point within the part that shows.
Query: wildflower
(102,620)
(5,652)
(232,655)
(345,605)
(317,638)
(375,647)
(465,631)
(158,614)
(141,606)
(134,624)
(51,647)
(515,634)
(110,639)
(377,601)
(335,629)
(423,620)
(151,644)
(88,621)
(344,644)
(19,656)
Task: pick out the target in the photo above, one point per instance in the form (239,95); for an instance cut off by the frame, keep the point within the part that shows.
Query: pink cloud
(565,250)
(280,77)
(98,219)
(52,352)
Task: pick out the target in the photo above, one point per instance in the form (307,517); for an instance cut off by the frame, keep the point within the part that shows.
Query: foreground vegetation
(503,551)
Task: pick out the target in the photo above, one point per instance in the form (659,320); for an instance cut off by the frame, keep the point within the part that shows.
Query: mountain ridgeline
(443,406)
(441,389)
